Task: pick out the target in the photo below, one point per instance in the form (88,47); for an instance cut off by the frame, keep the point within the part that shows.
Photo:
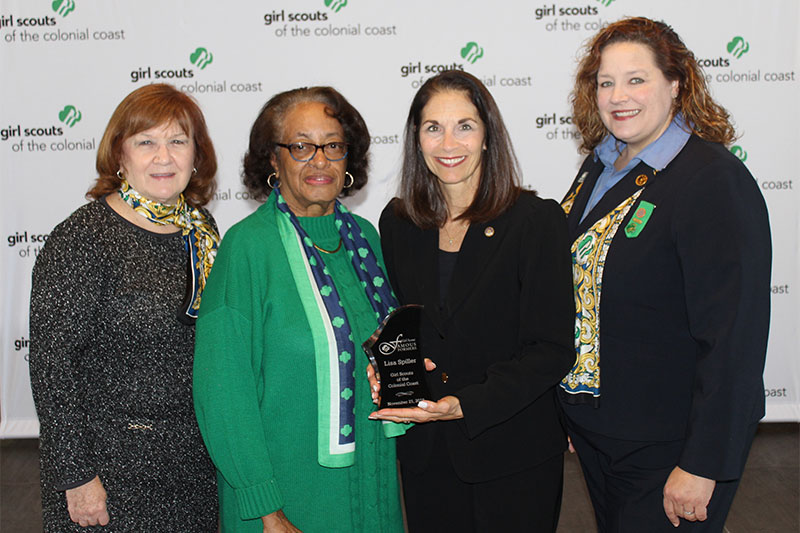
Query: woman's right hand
(87,504)
(278,523)
(374,384)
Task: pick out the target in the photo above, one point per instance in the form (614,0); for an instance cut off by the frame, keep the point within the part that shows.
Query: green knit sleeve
(225,383)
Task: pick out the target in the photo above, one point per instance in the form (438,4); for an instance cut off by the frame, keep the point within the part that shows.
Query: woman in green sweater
(279,390)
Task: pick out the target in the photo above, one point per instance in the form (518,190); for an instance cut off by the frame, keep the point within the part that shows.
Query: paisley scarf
(589,253)
(200,239)
(334,346)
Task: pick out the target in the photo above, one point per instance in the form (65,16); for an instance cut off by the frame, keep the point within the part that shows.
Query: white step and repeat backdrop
(67,63)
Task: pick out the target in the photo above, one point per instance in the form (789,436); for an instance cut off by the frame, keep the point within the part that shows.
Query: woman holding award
(297,287)
(490,263)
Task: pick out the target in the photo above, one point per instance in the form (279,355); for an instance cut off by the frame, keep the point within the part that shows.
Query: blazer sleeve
(723,241)
(547,317)
(66,290)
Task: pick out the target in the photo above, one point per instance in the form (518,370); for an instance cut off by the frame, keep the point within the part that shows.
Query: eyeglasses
(303,152)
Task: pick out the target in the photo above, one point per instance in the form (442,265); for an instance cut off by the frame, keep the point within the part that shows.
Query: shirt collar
(657,154)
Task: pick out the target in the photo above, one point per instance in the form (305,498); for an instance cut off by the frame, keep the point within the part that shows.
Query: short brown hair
(268,127)
(421,198)
(703,115)
(145,108)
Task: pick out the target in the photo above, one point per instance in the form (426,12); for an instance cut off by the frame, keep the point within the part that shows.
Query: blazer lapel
(640,176)
(428,275)
(590,171)
(480,244)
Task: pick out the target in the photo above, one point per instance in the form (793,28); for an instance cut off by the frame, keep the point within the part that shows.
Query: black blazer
(684,312)
(504,341)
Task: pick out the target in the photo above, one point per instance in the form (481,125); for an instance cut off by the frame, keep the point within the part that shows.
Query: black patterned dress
(111,374)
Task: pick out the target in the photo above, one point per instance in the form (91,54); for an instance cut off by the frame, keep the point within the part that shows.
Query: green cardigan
(255,389)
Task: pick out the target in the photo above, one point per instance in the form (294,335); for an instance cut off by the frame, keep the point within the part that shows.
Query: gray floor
(768,500)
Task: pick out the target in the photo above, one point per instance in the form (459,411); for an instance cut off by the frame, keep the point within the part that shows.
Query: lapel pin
(489,231)
(641,179)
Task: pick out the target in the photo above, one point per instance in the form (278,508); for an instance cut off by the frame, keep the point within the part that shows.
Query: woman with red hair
(671,266)
(116,290)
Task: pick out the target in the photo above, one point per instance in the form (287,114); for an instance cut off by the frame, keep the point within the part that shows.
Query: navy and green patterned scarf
(335,348)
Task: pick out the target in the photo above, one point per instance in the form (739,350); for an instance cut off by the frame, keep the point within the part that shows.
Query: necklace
(324,251)
(450,238)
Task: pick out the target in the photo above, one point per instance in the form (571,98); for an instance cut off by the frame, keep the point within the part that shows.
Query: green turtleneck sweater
(255,389)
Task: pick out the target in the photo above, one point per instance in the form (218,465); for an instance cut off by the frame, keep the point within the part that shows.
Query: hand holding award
(397,372)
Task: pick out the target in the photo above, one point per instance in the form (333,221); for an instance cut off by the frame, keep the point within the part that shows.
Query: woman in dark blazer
(490,264)
(671,258)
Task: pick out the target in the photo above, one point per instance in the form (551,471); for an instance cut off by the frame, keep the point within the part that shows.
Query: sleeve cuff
(66,485)
(472,423)
(259,500)
(718,461)
(393,429)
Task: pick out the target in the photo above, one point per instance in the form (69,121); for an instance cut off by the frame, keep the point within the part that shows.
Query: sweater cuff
(393,429)
(67,485)
(259,500)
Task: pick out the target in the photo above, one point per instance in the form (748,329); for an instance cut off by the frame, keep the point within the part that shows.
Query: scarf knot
(200,239)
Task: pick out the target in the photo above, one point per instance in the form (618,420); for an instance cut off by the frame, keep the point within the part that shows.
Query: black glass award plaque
(395,353)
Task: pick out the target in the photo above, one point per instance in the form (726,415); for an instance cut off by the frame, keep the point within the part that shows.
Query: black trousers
(438,501)
(626,482)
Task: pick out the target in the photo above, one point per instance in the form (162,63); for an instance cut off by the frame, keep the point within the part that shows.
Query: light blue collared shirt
(658,154)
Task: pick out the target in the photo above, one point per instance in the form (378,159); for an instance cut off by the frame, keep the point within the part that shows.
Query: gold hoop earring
(269,183)
(352,180)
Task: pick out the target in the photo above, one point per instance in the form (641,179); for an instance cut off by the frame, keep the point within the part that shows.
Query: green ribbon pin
(640,217)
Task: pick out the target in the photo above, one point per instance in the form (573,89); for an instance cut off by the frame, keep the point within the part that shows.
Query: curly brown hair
(268,128)
(145,108)
(703,115)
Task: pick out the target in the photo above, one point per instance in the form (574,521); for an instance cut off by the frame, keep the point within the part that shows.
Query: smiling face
(158,162)
(311,187)
(451,138)
(633,96)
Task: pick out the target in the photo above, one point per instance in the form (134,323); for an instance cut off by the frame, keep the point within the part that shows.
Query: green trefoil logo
(738,47)
(63,7)
(70,115)
(472,52)
(201,58)
(585,248)
(739,152)
(336,5)
(606,2)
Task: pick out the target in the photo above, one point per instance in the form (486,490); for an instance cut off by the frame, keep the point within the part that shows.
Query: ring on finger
(688,513)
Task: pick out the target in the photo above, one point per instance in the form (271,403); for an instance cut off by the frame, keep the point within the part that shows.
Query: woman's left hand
(448,408)
(686,496)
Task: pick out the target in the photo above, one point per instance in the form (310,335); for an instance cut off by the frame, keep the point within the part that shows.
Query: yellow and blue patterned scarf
(589,253)
(199,237)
